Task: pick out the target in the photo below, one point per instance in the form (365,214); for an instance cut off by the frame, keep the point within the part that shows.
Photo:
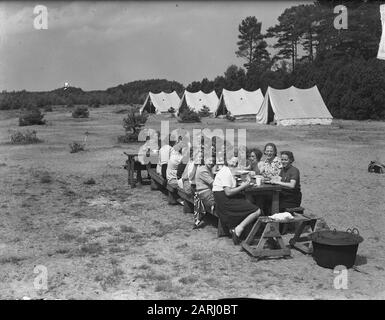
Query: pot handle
(354,231)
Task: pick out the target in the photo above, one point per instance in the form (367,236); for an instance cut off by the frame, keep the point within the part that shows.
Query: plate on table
(241,172)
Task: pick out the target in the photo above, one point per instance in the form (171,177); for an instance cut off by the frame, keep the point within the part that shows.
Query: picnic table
(133,164)
(264,189)
(270,231)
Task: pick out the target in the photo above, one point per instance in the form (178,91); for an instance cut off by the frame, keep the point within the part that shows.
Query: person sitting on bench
(187,181)
(164,156)
(289,177)
(254,162)
(172,166)
(204,179)
(234,211)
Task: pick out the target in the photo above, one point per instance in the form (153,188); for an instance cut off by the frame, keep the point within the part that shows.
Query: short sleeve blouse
(273,168)
(224,178)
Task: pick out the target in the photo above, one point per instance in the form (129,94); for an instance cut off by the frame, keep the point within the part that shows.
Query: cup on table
(258,181)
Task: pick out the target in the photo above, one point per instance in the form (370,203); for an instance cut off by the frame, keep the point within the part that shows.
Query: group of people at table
(213,183)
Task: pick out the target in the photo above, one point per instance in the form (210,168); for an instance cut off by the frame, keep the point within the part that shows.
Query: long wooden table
(132,165)
(265,188)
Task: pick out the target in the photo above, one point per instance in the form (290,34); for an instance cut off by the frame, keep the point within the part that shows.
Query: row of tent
(291,106)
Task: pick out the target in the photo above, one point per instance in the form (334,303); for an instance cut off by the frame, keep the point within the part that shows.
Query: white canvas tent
(160,102)
(196,100)
(239,103)
(293,106)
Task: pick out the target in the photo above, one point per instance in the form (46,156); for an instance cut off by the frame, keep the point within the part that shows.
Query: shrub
(76,147)
(204,112)
(90,181)
(230,117)
(128,138)
(45,178)
(94,104)
(189,115)
(31,117)
(24,137)
(80,112)
(134,122)
(48,108)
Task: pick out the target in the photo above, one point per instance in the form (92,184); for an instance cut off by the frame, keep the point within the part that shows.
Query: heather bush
(31,117)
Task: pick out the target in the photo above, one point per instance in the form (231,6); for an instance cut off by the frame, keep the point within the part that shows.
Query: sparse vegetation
(230,117)
(91,248)
(90,181)
(188,115)
(204,112)
(31,117)
(133,124)
(47,108)
(45,178)
(80,112)
(25,137)
(189,279)
(76,147)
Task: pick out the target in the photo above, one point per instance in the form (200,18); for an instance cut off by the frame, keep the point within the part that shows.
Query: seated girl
(272,165)
(235,212)
(187,180)
(289,177)
(204,179)
(254,162)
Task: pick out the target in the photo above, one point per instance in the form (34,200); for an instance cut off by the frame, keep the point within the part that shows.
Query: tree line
(308,50)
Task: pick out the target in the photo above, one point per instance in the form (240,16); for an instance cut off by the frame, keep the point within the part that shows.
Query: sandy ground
(107,241)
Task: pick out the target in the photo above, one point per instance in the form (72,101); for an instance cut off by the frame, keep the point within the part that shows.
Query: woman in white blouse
(232,208)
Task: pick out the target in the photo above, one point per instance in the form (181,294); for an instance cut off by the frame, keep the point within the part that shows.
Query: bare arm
(291,184)
(232,191)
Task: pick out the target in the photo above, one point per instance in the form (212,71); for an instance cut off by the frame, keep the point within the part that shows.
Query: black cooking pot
(332,248)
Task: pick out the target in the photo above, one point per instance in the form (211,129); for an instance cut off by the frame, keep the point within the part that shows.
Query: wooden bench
(159,183)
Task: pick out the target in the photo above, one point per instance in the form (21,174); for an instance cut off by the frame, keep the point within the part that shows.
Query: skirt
(232,210)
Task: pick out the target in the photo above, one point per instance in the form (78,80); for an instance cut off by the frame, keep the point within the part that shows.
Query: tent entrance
(270,113)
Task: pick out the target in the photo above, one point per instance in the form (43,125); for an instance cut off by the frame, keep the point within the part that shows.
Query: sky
(95,45)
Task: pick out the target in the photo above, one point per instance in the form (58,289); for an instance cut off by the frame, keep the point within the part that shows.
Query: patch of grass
(212,282)
(90,181)
(166,286)
(25,137)
(151,275)
(163,229)
(144,267)
(117,239)
(46,178)
(181,246)
(98,230)
(11,259)
(125,228)
(62,250)
(196,256)
(189,279)
(110,280)
(91,248)
(67,237)
(76,147)
(156,261)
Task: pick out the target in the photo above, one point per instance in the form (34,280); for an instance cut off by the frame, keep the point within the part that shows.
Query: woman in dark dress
(289,177)
(235,212)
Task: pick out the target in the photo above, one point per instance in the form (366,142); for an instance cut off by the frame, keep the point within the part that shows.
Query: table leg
(130,169)
(275,202)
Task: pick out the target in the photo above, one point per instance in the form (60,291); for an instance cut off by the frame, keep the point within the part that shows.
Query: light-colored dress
(271,169)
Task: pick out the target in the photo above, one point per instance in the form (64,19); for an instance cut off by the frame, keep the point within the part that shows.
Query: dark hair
(258,153)
(271,145)
(289,154)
